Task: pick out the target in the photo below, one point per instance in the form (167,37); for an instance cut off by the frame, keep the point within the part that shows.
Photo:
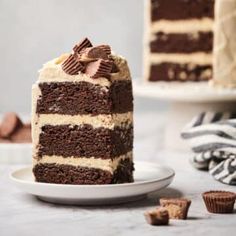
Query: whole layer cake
(82,118)
(178,40)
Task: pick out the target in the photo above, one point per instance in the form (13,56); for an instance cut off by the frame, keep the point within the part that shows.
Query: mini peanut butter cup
(22,135)
(10,123)
(99,68)
(105,48)
(72,65)
(159,216)
(85,43)
(219,201)
(93,53)
(176,207)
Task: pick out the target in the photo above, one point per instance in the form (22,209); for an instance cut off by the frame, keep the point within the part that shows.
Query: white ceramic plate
(183,92)
(148,177)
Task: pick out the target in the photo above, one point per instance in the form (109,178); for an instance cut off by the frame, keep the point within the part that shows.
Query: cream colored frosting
(36,93)
(99,163)
(106,121)
(52,72)
(199,58)
(183,26)
(224,66)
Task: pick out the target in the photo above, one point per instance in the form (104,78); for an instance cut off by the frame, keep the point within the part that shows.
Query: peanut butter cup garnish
(10,123)
(22,135)
(176,207)
(105,48)
(72,65)
(85,43)
(99,68)
(93,53)
(93,61)
(219,201)
(159,216)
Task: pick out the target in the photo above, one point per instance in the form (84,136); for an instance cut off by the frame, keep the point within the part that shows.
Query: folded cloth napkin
(212,138)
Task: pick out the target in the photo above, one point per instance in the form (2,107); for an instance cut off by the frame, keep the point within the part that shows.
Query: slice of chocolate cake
(82,118)
(178,40)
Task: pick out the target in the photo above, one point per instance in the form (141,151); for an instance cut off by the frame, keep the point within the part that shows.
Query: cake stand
(186,101)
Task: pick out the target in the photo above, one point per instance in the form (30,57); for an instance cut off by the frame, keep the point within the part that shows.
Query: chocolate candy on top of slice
(159,216)
(94,61)
(99,68)
(72,65)
(10,123)
(85,43)
(105,48)
(92,54)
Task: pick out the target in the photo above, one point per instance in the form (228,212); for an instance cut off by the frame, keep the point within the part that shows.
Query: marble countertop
(22,214)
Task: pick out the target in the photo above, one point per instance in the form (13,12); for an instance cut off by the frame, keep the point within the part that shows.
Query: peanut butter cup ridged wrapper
(219,201)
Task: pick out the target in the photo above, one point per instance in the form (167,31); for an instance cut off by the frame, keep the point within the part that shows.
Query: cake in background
(224,61)
(13,130)
(82,118)
(178,40)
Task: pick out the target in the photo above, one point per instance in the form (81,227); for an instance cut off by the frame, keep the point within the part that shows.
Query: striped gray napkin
(212,138)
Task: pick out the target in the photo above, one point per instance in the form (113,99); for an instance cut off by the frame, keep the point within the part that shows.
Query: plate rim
(170,176)
(168,91)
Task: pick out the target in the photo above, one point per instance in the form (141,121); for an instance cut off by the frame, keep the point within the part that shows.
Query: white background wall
(35,31)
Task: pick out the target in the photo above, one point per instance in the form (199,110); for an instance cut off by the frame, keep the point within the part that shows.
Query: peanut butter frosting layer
(182,26)
(200,58)
(106,121)
(99,163)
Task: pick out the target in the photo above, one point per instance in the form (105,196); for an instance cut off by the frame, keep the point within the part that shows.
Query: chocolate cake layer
(66,174)
(180,72)
(182,43)
(85,98)
(181,9)
(85,141)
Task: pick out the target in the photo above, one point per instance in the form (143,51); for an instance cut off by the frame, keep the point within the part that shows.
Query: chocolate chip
(10,123)
(72,65)
(159,216)
(85,43)
(99,68)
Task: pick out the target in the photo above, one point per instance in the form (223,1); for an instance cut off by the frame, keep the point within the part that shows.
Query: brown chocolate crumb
(10,123)
(219,201)
(99,68)
(159,216)
(72,65)
(85,43)
(177,207)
